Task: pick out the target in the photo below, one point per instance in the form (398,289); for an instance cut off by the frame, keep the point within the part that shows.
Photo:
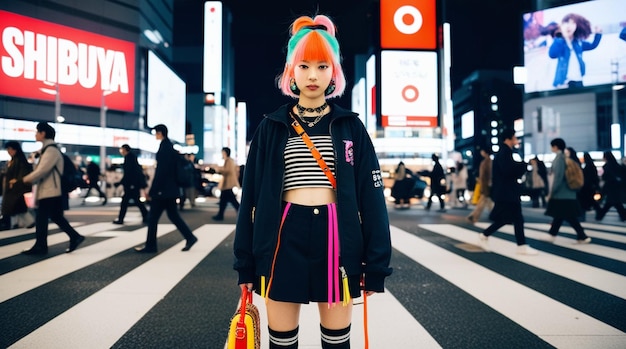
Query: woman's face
(11,151)
(568,28)
(312,78)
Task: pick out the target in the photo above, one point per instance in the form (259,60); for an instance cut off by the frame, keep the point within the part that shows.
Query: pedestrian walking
(93,177)
(13,203)
(563,204)
(542,170)
(189,192)
(438,186)
(484,178)
(164,193)
(535,184)
(49,197)
(133,182)
(293,225)
(230,179)
(505,192)
(591,186)
(612,176)
(459,185)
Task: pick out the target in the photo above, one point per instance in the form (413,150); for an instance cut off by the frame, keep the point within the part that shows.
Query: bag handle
(246,297)
(316,154)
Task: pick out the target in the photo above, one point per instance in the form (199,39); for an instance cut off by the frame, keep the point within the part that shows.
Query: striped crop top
(301,169)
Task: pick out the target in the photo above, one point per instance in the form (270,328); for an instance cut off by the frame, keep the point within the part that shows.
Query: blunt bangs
(312,47)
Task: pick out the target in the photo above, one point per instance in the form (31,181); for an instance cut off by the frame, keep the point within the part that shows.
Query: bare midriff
(310,196)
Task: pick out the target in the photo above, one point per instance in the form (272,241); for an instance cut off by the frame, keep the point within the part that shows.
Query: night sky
(486,34)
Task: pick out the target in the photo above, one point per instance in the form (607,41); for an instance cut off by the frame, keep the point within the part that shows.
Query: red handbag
(245,331)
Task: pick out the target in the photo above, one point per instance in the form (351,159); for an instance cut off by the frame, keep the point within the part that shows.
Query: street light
(616,132)
(57,99)
(103,125)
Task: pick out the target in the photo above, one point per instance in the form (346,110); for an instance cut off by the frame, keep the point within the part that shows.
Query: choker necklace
(319,109)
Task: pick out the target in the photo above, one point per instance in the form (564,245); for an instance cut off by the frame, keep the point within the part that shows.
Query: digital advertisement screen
(167,98)
(574,46)
(409,89)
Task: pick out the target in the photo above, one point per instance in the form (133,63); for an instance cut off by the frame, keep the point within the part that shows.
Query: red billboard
(39,58)
(408,24)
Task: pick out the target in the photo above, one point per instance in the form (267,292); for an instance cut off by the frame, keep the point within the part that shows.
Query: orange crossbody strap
(316,154)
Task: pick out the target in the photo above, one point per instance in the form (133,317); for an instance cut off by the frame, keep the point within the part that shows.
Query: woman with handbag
(313,219)
(13,203)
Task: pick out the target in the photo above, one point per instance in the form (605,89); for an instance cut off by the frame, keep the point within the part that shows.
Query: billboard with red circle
(39,59)
(409,88)
(408,24)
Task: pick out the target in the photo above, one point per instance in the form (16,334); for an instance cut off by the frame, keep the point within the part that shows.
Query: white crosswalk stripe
(106,315)
(134,295)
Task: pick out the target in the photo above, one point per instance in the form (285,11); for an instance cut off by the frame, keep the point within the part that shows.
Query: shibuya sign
(39,58)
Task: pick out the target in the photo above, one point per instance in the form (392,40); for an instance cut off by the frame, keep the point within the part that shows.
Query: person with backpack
(563,204)
(93,175)
(164,193)
(49,194)
(133,181)
(13,203)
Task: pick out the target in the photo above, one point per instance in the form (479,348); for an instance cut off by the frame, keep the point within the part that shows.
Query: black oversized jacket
(164,182)
(505,186)
(365,244)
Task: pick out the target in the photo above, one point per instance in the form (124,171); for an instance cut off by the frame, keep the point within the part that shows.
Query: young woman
(568,47)
(13,203)
(298,239)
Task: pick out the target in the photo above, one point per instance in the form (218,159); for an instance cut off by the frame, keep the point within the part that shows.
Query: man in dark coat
(133,181)
(163,194)
(505,193)
(437,184)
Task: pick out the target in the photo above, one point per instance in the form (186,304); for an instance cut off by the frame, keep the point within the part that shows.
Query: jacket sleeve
(244,259)
(557,48)
(373,212)
(586,46)
(46,164)
(558,173)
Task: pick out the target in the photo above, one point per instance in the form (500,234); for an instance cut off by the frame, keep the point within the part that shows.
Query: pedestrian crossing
(445,292)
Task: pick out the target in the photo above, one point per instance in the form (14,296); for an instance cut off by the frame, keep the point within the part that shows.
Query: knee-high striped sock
(283,340)
(335,339)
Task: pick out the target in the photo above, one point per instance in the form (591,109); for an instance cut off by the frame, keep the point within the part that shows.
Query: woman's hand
(249,286)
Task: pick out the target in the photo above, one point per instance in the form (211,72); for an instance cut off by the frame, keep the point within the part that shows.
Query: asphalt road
(445,291)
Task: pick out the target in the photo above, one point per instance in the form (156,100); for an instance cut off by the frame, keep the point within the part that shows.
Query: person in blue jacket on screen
(570,38)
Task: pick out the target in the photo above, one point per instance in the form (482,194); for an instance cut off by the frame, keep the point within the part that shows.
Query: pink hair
(313,45)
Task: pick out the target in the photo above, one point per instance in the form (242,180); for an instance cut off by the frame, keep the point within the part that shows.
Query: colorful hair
(312,39)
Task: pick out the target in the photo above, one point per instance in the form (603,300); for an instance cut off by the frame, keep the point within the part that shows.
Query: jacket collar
(282,113)
(46,142)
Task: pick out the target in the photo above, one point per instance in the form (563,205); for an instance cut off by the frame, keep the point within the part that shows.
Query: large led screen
(409,89)
(44,60)
(166,98)
(574,46)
